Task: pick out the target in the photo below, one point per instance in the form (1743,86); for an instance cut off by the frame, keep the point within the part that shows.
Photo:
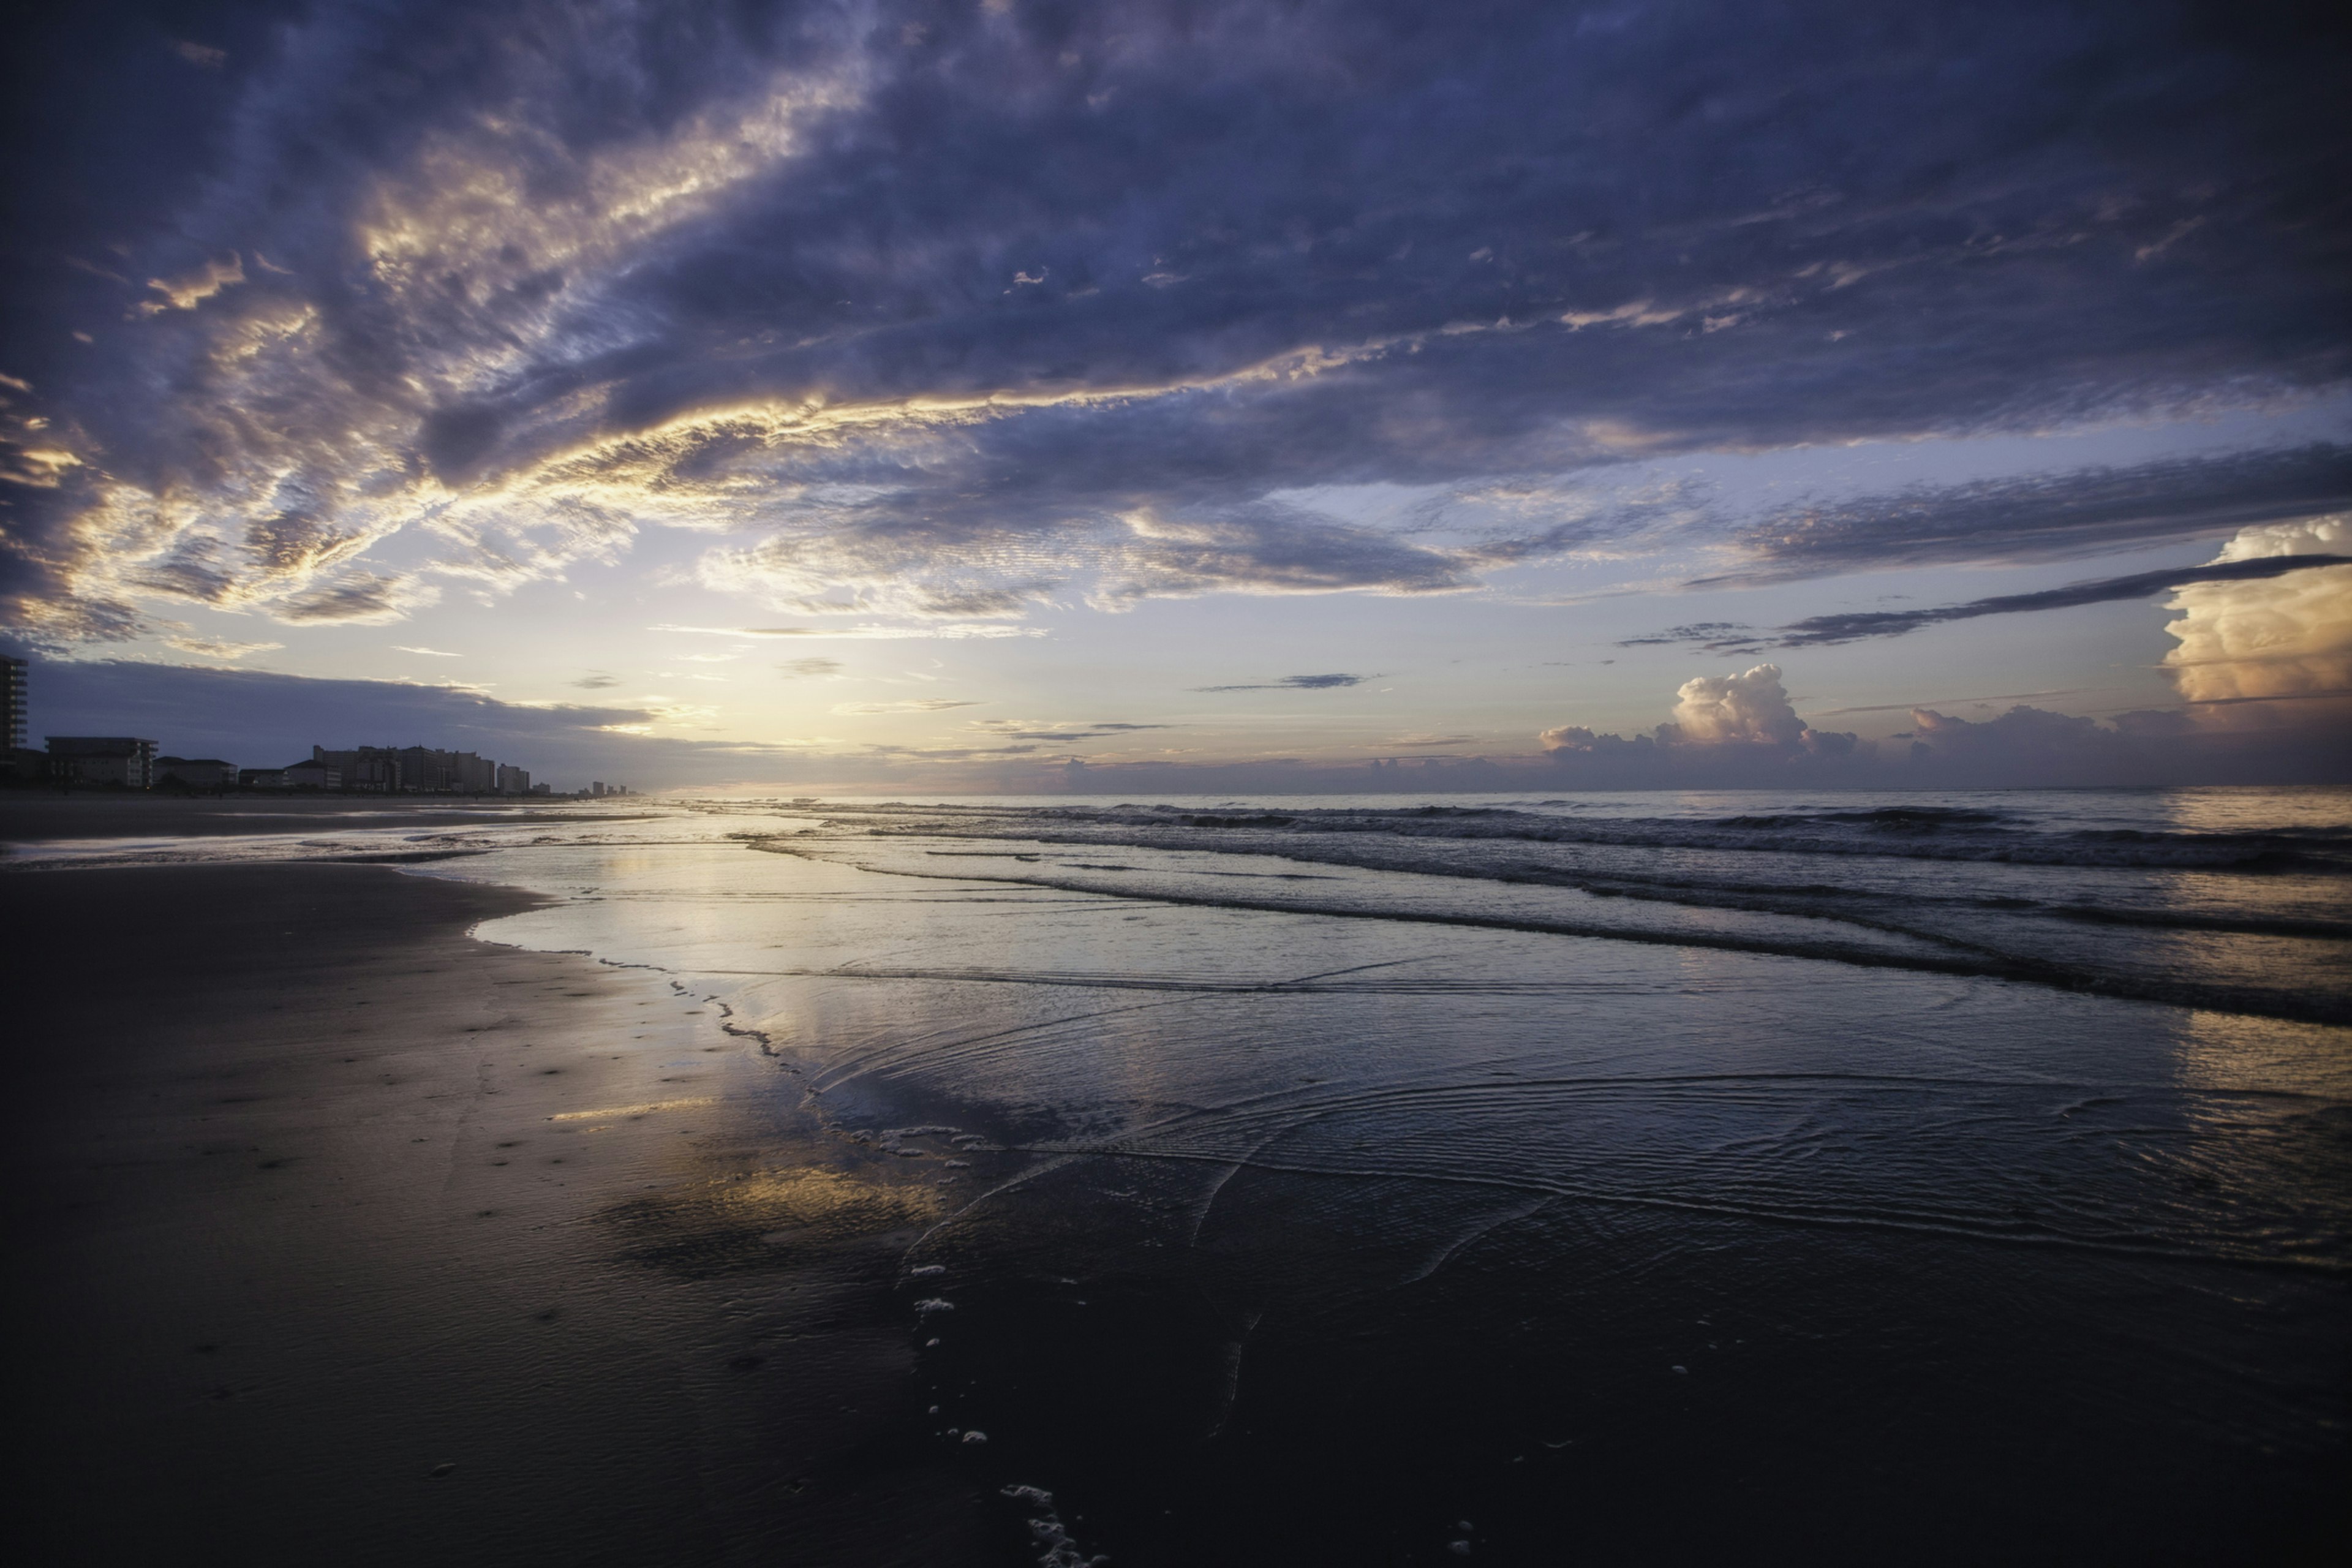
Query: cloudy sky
(917,395)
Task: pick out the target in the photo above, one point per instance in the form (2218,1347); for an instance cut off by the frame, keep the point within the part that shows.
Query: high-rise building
(12,702)
(513,780)
(364,767)
(423,768)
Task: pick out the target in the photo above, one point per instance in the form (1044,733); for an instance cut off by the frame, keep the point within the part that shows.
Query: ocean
(1626,1177)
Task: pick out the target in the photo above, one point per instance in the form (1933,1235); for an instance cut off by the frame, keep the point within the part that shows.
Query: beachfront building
(437,772)
(422,769)
(195,773)
(12,702)
(425,769)
(121,760)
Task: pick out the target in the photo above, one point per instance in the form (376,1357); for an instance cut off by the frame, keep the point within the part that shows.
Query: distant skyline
(1006,396)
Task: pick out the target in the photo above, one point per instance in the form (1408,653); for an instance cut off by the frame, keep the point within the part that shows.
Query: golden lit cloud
(189,289)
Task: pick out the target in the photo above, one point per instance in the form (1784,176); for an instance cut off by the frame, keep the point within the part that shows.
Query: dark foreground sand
(318,1259)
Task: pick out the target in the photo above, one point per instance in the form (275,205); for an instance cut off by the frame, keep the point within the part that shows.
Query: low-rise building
(121,760)
(195,773)
(305,775)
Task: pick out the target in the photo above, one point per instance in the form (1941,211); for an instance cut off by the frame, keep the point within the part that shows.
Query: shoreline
(361,1237)
(29,817)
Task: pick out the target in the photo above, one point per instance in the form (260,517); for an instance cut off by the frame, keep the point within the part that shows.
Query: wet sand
(341,1236)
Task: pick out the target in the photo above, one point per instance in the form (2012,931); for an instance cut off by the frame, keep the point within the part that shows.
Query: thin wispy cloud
(2039,516)
(912,705)
(218,647)
(864,633)
(1296,683)
(1856,625)
(1063,734)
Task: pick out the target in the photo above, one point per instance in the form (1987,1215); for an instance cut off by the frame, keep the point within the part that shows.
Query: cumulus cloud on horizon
(1748,711)
(1741,731)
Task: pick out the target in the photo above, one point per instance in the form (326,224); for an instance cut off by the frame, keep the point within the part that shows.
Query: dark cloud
(597,682)
(1296,683)
(1814,631)
(1262,549)
(2052,515)
(367,597)
(1711,634)
(1064,291)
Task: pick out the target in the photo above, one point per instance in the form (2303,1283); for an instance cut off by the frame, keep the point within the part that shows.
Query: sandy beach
(361,1240)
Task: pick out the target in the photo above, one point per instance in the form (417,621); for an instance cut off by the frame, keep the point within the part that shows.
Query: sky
(1003,396)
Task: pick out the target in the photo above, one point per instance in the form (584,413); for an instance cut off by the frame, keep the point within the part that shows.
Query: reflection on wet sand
(1362,1227)
(758,1219)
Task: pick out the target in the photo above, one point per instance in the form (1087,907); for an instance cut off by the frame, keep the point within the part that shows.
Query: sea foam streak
(2205,900)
